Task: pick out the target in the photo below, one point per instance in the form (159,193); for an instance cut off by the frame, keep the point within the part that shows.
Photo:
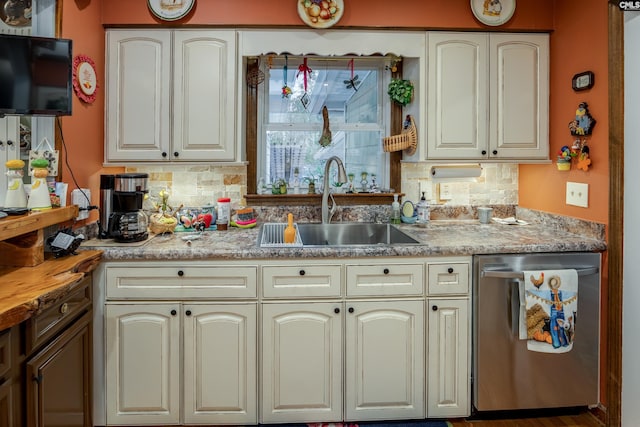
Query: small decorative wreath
(85,81)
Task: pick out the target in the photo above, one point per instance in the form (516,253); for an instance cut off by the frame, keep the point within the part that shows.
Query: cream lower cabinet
(301,362)
(180,343)
(151,381)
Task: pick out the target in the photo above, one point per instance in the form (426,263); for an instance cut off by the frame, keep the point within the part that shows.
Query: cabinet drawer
(301,281)
(5,354)
(385,279)
(52,320)
(181,282)
(446,278)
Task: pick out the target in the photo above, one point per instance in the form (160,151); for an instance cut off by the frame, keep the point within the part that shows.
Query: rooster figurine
(537,282)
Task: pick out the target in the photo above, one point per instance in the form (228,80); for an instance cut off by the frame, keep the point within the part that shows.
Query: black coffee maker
(126,222)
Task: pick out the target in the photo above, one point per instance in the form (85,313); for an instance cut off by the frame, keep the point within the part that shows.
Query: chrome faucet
(326,191)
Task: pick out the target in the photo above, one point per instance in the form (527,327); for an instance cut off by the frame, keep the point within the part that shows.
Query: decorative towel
(551,309)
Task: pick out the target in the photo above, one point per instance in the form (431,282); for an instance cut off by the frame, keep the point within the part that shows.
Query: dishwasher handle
(519,275)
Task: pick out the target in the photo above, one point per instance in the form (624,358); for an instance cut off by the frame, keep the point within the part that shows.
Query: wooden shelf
(13,226)
(22,236)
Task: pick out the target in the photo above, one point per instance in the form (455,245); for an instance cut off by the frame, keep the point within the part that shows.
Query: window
(291,122)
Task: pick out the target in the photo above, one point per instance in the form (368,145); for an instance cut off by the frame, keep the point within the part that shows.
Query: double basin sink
(351,234)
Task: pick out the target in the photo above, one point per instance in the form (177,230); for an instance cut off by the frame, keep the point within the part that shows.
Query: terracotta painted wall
(435,14)
(577,45)
(83,131)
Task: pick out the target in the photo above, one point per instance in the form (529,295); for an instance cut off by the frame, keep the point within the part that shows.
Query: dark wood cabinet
(58,386)
(6,403)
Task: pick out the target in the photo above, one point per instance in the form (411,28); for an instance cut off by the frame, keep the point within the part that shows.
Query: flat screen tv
(35,76)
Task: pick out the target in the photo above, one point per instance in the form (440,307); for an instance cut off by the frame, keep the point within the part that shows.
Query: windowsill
(341,199)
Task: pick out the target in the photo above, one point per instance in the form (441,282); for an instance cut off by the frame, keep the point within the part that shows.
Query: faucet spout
(326,192)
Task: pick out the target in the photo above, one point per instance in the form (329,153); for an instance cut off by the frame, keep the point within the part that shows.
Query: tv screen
(35,75)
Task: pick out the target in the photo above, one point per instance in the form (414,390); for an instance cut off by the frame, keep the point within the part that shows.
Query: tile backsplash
(198,185)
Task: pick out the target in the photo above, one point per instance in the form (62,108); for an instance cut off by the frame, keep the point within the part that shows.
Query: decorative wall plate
(16,13)
(493,12)
(85,81)
(170,10)
(320,13)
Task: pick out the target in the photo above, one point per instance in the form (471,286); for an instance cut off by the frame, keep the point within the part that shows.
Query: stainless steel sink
(352,234)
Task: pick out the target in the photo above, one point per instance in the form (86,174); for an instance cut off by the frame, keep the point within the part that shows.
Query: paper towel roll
(458,171)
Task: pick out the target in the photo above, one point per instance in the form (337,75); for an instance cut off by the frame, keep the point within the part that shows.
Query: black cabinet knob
(385,271)
(9,143)
(176,154)
(180,273)
(434,307)
(336,310)
(450,270)
(188,312)
(484,152)
(37,378)
(164,154)
(351,310)
(495,152)
(302,272)
(173,312)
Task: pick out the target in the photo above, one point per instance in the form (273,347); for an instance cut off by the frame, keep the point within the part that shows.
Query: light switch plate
(578,194)
(445,191)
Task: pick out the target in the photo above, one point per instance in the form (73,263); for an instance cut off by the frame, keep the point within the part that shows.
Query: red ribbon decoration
(305,70)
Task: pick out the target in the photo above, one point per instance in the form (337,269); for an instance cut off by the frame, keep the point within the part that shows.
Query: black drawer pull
(180,273)
(188,312)
(434,307)
(336,310)
(495,152)
(173,312)
(351,310)
(450,270)
(302,272)
(385,271)
(37,378)
(176,154)
(164,154)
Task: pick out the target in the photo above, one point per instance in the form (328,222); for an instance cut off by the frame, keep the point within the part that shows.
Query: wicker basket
(407,140)
(161,227)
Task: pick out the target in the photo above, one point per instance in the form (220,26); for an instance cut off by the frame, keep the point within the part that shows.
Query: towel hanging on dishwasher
(551,309)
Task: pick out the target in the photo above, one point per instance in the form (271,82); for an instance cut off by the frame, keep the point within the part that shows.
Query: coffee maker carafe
(127,222)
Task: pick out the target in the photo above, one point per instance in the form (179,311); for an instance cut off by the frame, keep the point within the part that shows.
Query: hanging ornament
(306,73)
(353,82)
(286,90)
(325,138)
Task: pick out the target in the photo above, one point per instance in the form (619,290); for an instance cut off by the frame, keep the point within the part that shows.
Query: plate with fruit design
(320,13)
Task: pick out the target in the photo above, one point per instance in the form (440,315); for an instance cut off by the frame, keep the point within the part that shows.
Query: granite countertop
(449,238)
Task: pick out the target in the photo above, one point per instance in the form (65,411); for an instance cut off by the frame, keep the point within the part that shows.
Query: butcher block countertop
(26,291)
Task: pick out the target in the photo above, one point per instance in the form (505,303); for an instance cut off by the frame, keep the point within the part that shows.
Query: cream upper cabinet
(170,95)
(488,96)
(9,147)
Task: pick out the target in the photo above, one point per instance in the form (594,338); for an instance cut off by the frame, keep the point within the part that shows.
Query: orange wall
(579,43)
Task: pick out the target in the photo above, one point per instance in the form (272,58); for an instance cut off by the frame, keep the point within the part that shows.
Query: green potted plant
(400,91)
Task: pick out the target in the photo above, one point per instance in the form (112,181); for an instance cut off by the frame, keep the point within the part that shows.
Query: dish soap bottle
(290,231)
(422,207)
(395,210)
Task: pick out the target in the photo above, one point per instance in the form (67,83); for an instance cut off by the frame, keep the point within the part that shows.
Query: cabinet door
(138,90)
(448,368)
(458,91)
(58,379)
(204,95)
(384,360)
(519,96)
(142,363)
(6,404)
(301,362)
(220,364)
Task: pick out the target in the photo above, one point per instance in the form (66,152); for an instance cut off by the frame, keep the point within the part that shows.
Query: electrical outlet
(578,194)
(445,191)
(82,200)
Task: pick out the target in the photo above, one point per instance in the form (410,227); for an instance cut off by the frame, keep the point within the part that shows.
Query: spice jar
(224,212)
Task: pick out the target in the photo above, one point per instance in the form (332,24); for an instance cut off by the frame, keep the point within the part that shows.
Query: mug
(484,215)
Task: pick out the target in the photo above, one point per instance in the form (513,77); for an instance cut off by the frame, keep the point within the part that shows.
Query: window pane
(293,125)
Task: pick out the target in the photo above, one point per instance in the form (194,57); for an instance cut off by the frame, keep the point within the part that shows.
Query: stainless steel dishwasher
(508,376)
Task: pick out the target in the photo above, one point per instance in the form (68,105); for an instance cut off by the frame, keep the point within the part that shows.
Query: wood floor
(579,419)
